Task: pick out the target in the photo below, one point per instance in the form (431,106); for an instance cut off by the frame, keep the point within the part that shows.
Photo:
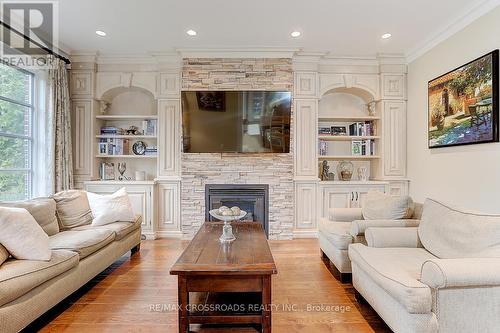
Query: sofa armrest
(345,214)
(463,272)
(358,227)
(392,237)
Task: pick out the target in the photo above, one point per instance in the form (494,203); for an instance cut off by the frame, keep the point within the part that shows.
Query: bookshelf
(347,131)
(119,124)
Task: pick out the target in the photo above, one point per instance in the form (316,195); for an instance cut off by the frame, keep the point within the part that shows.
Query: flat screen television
(236,121)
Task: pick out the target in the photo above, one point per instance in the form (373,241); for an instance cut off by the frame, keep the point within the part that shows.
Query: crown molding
(466,18)
(243,52)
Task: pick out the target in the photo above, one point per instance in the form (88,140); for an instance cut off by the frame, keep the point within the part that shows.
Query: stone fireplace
(252,198)
(273,170)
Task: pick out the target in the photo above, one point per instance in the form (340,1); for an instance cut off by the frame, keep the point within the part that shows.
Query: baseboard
(169,234)
(305,234)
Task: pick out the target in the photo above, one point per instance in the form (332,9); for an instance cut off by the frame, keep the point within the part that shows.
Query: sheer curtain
(43,149)
(60,107)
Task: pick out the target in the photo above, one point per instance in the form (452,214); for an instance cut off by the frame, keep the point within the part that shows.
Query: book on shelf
(151,151)
(357,147)
(324,130)
(323,148)
(107,171)
(366,128)
(112,130)
(149,127)
(114,146)
(363,147)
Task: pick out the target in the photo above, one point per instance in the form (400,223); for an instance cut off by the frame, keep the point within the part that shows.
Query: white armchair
(346,226)
(422,284)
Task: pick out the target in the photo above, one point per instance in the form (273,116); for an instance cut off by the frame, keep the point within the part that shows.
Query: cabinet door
(394,130)
(336,198)
(81,123)
(168,207)
(305,198)
(306,163)
(360,193)
(169,138)
(399,188)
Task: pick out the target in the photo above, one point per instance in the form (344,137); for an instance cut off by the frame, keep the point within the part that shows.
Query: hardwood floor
(137,294)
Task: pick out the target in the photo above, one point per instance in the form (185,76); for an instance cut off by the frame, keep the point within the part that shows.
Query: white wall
(467,176)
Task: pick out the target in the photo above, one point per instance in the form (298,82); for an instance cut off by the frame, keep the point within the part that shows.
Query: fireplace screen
(254,199)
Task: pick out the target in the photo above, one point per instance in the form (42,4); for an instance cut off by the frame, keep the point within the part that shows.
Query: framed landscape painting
(463,104)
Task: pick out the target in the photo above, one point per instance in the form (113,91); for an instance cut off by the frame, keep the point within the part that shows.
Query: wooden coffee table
(218,270)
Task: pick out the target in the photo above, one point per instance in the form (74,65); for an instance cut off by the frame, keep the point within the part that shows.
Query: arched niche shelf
(344,102)
(365,94)
(128,100)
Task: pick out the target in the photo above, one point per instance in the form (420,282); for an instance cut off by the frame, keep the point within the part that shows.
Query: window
(16,133)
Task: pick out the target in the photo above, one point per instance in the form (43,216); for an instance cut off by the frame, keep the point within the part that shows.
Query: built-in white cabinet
(142,196)
(346,195)
(399,187)
(305,208)
(82,130)
(394,133)
(169,209)
(169,138)
(305,132)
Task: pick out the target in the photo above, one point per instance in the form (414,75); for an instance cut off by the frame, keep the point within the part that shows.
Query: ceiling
(341,27)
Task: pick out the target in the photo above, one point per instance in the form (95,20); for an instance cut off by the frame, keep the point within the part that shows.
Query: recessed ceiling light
(191,32)
(100,33)
(295,34)
(386,36)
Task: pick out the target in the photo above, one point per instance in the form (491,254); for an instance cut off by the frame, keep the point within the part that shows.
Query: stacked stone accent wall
(276,170)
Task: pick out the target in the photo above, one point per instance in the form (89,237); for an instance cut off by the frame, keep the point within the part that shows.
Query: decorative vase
(344,170)
(363,174)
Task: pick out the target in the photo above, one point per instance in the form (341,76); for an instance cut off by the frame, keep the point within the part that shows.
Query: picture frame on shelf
(357,148)
(339,130)
(107,171)
(102,148)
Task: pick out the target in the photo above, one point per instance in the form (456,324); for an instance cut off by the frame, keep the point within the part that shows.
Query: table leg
(183,297)
(266,302)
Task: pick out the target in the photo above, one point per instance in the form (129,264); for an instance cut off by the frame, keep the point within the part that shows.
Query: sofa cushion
(42,209)
(4,254)
(121,229)
(382,206)
(453,233)
(85,242)
(111,208)
(22,236)
(337,233)
(397,271)
(17,277)
(72,209)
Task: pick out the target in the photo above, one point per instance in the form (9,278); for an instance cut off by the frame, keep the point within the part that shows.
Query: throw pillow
(22,236)
(42,209)
(450,233)
(4,254)
(72,208)
(381,206)
(111,208)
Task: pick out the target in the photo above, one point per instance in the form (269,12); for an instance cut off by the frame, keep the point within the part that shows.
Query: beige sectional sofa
(346,226)
(443,276)
(30,288)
